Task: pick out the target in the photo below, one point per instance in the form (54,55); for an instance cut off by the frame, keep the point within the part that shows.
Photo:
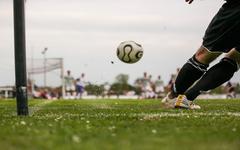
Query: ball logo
(127,49)
(139,54)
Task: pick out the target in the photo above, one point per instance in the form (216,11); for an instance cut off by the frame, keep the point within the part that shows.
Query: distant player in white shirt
(69,84)
(147,86)
(159,87)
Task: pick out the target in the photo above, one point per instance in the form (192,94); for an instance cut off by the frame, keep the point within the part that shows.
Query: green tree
(94,89)
(238,88)
(122,79)
(218,90)
(121,85)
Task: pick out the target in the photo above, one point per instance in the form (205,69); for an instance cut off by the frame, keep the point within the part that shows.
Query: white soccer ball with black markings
(129,52)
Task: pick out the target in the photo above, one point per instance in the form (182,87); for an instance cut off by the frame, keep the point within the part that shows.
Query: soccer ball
(129,52)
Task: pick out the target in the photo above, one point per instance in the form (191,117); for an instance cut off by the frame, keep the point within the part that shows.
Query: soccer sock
(189,73)
(214,77)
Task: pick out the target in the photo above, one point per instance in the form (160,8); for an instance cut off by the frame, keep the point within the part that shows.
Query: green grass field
(120,124)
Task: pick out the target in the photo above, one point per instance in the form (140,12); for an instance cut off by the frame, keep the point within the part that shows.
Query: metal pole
(45,79)
(62,79)
(44,65)
(20,57)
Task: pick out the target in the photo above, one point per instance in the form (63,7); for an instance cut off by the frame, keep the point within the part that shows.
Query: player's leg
(221,35)
(216,75)
(192,70)
(67,91)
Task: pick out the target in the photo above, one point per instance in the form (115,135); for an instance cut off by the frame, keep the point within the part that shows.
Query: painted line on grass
(101,106)
(142,116)
(188,115)
(39,106)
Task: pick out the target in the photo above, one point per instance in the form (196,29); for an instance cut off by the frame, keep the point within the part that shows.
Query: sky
(86,33)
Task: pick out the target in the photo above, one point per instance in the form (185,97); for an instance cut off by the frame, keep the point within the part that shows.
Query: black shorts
(223,33)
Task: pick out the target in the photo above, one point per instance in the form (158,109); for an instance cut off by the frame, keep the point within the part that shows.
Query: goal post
(20,57)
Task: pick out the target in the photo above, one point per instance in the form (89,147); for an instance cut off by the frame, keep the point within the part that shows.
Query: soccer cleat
(168,102)
(183,102)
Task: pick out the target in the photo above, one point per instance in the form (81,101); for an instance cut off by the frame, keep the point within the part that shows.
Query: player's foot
(168,101)
(183,102)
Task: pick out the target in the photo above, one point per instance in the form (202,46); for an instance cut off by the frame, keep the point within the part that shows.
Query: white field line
(188,115)
(143,116)
(39,106)
(101,106)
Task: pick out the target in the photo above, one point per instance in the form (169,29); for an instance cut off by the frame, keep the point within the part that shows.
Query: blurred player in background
(80,84)
(146,85)
(172,80)
(106,90)
(230,90)
(69,84)
(221,36)
(159,87)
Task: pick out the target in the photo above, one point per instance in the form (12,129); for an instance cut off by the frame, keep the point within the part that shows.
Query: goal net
(45,73)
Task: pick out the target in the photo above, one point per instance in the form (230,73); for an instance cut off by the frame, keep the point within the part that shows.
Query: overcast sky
(86,33)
